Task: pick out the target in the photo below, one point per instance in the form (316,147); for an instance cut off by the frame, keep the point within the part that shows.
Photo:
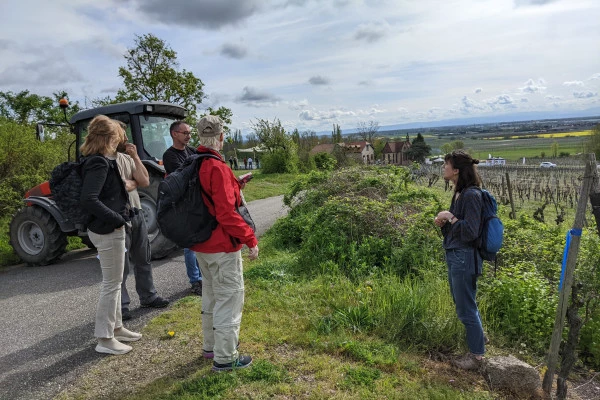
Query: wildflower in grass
(171,333)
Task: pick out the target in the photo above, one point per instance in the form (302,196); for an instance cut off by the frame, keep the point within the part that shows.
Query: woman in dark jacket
(461,227)
(104,196)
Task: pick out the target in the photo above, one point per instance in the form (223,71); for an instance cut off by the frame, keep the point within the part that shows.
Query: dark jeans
(463,265)
(138,256)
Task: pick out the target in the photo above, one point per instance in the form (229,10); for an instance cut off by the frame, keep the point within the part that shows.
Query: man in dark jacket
(220,256)
(134,175)
(172,159)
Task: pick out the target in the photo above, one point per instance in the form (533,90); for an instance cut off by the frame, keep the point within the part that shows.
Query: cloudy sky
(313,63)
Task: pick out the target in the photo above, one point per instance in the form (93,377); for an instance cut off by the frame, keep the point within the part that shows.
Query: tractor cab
(39,230)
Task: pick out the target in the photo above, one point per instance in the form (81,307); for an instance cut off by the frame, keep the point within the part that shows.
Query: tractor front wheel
(36,237)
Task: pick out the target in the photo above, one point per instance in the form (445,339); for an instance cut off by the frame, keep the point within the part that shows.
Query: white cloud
(533,87)
(573,83)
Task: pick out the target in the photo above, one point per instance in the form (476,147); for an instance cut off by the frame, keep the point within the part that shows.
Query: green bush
(520,306)
(325,161)
(280,161)
(25,162)
(359,225)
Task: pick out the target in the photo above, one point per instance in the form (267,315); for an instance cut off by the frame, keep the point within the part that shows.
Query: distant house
(322,148)
(493,161)
(395,153)
(360,151)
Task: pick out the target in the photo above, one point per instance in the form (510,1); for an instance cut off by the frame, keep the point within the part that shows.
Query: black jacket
(103,195)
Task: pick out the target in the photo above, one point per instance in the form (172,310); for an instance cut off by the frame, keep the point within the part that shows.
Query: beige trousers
(111,250)
(222,303)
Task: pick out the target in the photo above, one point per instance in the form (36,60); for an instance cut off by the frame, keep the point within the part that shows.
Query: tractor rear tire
(36,237)
(160,245)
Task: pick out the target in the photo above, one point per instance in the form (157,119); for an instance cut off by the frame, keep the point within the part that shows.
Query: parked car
(547,164)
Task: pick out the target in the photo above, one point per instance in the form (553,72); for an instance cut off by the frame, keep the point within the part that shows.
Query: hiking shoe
(467,362)
(158,302)
(241,362)
(197,288)
(125,314)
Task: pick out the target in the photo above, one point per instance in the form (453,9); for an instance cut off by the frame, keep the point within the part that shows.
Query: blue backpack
(492,230)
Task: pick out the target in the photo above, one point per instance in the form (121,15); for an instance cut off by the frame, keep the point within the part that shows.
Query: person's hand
(130,184)
(253,253)
(130,149)
(441,219)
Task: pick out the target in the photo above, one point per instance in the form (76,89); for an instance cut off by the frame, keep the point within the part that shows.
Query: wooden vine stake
(513,213)
(565,292)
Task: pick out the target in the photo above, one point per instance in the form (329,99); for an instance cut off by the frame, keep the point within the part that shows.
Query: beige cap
(210,126)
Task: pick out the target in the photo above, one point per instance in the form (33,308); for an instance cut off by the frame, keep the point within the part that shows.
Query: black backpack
(65,184)
(182,215)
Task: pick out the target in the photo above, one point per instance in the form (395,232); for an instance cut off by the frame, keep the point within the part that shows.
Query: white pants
(222,303)
(111,249)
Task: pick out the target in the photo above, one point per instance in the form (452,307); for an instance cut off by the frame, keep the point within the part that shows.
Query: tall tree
(271,134)
(418,149)
(367,130)
(336,135)
(25,107)
(152,73)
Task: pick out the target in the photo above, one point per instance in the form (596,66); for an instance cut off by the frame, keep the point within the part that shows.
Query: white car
(547,164)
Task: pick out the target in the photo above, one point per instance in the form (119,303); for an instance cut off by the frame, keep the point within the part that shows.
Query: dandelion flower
(171,333)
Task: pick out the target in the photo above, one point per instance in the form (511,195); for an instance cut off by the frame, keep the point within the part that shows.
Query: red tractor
(38,231)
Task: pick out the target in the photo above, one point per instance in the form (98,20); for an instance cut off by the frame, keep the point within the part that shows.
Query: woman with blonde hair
(104,196)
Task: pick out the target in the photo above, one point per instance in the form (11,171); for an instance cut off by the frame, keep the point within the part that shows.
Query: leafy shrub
(520,305)
(25,162)
(325,161)
(280,161)
(353,225)
(587,275)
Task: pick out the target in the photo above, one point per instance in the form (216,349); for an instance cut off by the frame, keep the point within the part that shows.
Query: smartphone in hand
(245,178)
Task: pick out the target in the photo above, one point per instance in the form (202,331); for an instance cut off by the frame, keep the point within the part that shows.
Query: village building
(361,152)
(492,161)
(395,153)
(323,148)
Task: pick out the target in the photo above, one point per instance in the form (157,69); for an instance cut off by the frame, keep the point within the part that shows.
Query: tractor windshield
(155,134)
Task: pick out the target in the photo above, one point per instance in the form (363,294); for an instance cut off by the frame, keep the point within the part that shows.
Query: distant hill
(485,120)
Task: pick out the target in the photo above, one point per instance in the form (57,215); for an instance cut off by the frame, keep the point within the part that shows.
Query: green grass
(292,357)
(263,186)
(511,149)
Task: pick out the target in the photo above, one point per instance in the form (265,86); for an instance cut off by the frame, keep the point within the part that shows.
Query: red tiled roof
(322,148)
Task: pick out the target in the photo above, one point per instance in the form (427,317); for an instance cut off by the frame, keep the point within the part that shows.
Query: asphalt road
(47,314)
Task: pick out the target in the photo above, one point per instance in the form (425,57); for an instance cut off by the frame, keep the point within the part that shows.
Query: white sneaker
(125,335)
(112,346)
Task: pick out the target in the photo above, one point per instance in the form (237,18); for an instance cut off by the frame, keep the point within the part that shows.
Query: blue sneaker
(241,362)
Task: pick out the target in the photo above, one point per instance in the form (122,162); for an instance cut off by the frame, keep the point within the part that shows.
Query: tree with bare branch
(367,130)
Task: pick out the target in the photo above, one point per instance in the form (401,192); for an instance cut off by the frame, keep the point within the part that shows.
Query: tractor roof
(132,107)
